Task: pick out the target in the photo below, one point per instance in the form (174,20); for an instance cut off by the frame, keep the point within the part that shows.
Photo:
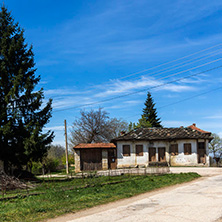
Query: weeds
(71,195)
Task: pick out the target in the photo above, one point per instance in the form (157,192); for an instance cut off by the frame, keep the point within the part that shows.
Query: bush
(70,159)
(36,167)
(49,165)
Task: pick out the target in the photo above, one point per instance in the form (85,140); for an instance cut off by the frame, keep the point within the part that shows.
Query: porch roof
(94,145)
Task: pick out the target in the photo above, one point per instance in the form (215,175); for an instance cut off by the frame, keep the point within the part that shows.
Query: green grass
(68,196)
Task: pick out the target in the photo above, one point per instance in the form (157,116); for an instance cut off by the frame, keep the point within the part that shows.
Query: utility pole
(66,142)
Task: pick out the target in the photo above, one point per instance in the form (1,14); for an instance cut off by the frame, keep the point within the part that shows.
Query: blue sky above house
(85,49)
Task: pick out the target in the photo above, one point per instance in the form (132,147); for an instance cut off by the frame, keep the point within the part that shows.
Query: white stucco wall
(133,160)
(178,160)
(185,160)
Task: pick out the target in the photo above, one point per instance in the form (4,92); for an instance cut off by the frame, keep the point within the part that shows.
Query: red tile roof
(198,129)
(164,134)
(94,145)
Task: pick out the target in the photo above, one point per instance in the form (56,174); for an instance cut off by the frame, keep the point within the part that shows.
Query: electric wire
(142,90)
(177,66)
(175,60)
(180,101)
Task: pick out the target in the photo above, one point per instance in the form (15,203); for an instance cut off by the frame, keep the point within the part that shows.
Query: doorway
(112,161)
(162,154)
(201,151)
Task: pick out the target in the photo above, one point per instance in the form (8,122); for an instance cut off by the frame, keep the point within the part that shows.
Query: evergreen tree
(143,123)
(150,113)
(22,115)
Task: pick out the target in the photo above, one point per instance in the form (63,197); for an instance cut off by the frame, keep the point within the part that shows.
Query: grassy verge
(62,197)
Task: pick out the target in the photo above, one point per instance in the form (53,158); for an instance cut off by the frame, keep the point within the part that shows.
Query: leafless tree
(96,126)
(56,152)
(215,147)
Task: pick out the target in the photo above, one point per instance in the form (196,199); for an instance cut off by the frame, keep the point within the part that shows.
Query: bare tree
(215,147)
(56,152)
(95,126)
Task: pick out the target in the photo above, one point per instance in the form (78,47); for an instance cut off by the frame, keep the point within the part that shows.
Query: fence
(130,171)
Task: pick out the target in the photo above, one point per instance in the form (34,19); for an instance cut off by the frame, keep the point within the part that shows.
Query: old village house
(183,146)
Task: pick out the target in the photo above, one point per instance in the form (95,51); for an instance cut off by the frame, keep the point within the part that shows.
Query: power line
(177,66)
(182,100)
(142,90)
(166,63)
(190,69)
(171,75)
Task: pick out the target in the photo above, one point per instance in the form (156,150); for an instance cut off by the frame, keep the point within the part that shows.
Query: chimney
(122,133)
(194,124)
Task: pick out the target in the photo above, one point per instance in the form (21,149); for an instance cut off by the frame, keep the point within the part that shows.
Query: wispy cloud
(64,98)
(56,128)
(173,123)
(118,87)
(64,91)
(214,117)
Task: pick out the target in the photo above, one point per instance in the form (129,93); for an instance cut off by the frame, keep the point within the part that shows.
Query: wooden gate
(112,162)
(152,154)
(161,154)
(91,159)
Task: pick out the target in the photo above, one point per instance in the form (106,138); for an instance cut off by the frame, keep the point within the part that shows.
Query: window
(126,150)
(139,150)
(187,148)
(174,149)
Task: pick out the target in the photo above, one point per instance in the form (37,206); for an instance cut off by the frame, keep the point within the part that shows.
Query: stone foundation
(104,159)
(77,160)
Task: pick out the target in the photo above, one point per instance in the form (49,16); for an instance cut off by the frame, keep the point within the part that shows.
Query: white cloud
(60,92)
(117,86)
(56,128)
(65,98)
(174,123)
(220,134)
(214,117)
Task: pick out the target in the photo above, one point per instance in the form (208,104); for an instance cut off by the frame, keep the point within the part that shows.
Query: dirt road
(200,200)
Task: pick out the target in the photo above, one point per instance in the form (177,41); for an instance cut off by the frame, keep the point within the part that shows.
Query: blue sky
(84,51)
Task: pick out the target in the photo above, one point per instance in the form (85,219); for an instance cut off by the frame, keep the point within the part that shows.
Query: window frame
(126,153)
(175,150)
(186,148)
(141,151)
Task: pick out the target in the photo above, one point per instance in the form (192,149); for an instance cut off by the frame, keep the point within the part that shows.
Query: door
(161,154)
(152,154)
(112,161)
(91,159)
(201,151)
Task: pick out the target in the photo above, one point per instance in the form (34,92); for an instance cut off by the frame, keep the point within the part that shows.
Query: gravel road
(200,200)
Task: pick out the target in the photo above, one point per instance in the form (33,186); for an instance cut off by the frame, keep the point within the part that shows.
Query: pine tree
(22,117)
(143,123)
(150,113)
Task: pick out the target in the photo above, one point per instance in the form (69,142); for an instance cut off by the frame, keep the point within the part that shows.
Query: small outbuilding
(95,156)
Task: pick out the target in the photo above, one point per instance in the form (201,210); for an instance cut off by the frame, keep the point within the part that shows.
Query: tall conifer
(150,113)
(22,115)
